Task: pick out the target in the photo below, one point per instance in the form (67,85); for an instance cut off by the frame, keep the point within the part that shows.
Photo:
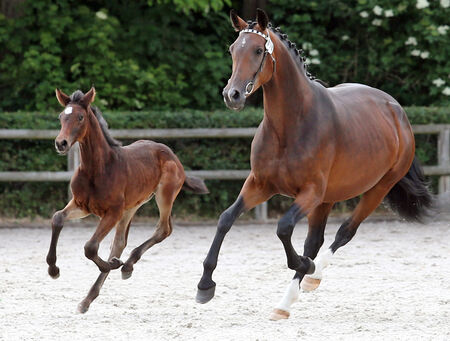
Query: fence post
(261,212)
(73,161)
(444,158)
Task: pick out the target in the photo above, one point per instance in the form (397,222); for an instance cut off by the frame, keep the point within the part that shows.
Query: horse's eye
(80,118)
(259,51)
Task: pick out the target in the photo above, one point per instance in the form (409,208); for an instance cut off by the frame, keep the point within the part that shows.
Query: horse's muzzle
(233,98)
(62,146)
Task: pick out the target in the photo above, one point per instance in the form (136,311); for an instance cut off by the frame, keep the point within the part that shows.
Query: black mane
(75,98)
(297,54)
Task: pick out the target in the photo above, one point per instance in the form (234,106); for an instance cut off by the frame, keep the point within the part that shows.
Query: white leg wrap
(321,262)
(290,296)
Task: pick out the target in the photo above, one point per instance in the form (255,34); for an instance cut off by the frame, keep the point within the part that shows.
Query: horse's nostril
(61,146)
(64,143)
(235,94)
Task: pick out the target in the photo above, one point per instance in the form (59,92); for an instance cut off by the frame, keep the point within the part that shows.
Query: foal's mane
(296,54)
(75,98)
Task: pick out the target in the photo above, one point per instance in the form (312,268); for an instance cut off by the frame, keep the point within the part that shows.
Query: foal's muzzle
(62,146)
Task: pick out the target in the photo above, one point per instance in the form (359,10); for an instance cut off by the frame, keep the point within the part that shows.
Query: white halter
(269,43)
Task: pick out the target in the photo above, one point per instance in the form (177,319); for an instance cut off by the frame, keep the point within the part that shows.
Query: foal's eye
(259,50)
(80,118)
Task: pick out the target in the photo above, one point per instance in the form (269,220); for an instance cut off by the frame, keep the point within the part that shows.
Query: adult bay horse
(112,182)
(317,145)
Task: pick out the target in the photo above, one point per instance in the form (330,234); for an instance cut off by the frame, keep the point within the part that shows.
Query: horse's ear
(236,21)
(88,98)
(63,99)
(262,19)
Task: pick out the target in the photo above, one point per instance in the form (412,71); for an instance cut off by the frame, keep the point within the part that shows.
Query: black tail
(195,185)
(410,196)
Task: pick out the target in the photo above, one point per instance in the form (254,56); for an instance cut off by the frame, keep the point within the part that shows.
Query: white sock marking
(321,262)
(290,295)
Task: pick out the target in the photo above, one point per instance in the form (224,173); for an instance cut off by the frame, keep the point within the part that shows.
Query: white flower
(377,10)
(101,15)
(446,91)
(443,29)
(388,13)
(306,46)
(438,82)
(422,4)
(315,61)
(307,61)
(445,3)
(415,53)
(376,22)
(364,14)
(411,41)
(345,37)
(314,53)
(424,54)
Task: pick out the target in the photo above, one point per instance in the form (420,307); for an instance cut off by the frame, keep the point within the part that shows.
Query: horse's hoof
(53,271)
(127,271)
(115,263)
(309,284)
(279,314)
(83,307)
(204,296)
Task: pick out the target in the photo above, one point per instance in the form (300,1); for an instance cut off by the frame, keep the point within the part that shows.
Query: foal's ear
(236,21)
(88,98)
(262,19)
(63,99)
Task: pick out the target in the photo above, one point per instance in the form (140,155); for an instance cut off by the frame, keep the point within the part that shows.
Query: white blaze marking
(244,42)
(68,110)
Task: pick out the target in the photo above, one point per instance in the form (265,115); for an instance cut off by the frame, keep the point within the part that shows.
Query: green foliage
(167,54)
(30,199)
(394,45)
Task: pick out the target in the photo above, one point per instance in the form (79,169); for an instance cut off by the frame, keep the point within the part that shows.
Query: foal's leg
(71,211)
(368,203)
(117,247)
(250,196)
(112,217)
(168,189)
(317,220)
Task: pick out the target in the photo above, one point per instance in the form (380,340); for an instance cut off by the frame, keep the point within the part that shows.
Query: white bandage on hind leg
(290,296)
(321,262)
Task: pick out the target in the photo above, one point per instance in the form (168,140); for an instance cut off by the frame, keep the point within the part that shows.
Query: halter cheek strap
(268,50)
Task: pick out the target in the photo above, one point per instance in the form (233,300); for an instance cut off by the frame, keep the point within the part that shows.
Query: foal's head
(73,119)
(253,61)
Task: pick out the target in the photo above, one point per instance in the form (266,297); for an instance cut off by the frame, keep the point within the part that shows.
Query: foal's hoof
(127,271)
(309,284)
(53,271)
(279,314)
(115,263)
(83,307)
(204,296)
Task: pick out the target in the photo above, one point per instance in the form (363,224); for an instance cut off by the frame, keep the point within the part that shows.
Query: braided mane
(297,54)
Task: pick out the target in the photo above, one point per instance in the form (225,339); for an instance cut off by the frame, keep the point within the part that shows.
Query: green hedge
(42,199)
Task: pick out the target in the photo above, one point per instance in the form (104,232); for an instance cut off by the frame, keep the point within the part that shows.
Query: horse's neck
(94,149)
(287,96)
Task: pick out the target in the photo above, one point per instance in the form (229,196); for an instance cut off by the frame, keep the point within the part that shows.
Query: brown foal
(317,145)
(112,182)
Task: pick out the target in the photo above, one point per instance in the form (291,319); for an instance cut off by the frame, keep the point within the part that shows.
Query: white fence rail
(442,169)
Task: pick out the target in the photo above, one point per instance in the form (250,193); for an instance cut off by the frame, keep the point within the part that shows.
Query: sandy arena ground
(392,282)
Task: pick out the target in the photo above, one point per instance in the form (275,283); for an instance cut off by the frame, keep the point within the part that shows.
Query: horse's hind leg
(71,211)
(168,189)
(117,247)
(368,203)
(317,220)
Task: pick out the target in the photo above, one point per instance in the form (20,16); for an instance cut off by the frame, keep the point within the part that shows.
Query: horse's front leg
(71,211)
(304,203)
(106,224)
(250,196)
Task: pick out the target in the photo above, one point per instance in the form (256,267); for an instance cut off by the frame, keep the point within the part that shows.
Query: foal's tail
(410,197)
(195,185)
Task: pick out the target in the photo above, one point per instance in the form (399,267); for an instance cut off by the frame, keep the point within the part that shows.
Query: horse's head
(73,119)
(253,60)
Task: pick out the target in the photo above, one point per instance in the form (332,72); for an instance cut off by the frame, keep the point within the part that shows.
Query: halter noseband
(268,50)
